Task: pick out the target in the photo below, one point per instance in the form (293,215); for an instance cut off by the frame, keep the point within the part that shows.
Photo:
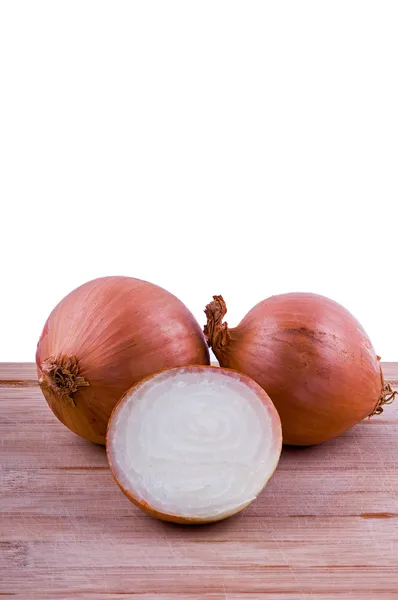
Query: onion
(311,356)
(194,444)
(105,336)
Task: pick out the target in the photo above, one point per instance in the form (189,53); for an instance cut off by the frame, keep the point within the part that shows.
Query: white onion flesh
(198,442)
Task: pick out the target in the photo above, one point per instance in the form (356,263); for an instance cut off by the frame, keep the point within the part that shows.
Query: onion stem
(216,332)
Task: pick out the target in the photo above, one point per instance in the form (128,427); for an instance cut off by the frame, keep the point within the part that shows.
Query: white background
(242,148)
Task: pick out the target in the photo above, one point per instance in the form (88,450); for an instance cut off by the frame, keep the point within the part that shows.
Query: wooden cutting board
(325,527)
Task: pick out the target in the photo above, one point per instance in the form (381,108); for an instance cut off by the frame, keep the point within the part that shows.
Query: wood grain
(325,527)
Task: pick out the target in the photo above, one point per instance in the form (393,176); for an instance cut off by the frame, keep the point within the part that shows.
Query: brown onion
(105,336)
(310,355)
(194,444)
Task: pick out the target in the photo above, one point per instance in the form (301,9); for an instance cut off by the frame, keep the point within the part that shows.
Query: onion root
(387,396)
(61,376)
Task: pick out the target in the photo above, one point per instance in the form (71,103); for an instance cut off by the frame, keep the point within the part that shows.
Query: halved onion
(194,444)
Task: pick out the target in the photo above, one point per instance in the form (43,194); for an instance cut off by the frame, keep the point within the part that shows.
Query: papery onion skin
(105,336)
(173,518)
(310,355)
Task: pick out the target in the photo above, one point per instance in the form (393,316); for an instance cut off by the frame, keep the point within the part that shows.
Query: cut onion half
(194,444)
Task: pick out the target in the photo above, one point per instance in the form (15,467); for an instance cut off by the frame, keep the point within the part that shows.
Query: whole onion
(310,355)
(105,336)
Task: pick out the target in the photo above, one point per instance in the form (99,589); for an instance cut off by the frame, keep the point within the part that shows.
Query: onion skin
(310,355)
(171,518)
(105,336)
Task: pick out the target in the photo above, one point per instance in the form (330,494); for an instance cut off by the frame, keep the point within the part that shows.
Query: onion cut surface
(194,444)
